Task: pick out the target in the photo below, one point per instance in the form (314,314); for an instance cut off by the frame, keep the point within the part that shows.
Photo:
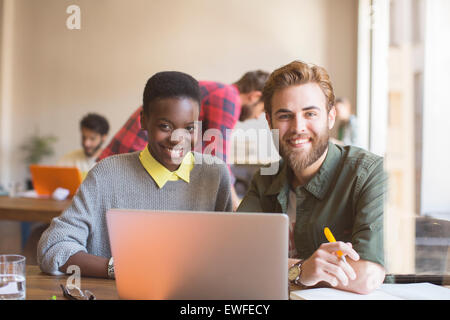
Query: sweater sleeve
(223,200)
(69,233)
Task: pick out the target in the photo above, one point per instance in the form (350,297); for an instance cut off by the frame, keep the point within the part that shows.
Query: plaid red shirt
(220,109)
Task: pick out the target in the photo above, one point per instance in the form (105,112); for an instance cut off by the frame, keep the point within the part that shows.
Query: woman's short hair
(170,84)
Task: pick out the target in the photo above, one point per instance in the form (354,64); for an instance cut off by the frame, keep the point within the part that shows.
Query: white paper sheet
(410,291)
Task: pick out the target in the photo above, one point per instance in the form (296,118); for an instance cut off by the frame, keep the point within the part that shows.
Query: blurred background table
(31,209)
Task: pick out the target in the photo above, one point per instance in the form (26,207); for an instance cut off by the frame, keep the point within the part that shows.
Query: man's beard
(247,111)
(91,153)
(299,160)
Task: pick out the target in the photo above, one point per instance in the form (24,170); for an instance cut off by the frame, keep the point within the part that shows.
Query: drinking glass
(12,277)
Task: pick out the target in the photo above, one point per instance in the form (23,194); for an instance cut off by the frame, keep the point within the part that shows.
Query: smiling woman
(163,176)
(170,128)
(171,106)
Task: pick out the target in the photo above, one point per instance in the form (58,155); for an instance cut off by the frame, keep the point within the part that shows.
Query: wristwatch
(111,274)
(294,273)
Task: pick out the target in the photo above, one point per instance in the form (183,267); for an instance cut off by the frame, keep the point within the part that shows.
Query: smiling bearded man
(301,159)
(320,184)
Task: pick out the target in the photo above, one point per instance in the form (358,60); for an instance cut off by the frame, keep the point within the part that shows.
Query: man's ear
(255,96)
(269,121)
(331,117)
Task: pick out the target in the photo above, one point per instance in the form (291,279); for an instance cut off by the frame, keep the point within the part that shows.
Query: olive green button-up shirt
(346,195)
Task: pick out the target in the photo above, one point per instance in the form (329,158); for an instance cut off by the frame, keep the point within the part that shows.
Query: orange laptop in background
(47,178)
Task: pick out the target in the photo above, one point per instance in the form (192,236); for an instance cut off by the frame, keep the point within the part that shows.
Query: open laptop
(47,178)
(186,255)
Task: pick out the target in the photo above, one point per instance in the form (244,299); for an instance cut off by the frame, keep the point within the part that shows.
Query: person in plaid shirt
(222,106)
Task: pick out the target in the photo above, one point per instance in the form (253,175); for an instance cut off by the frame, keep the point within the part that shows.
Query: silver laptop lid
(199,255)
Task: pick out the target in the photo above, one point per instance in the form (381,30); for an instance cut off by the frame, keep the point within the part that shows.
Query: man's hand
(325,265)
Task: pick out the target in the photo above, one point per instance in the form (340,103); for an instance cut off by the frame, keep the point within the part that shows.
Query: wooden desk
(31,209)
(41,286)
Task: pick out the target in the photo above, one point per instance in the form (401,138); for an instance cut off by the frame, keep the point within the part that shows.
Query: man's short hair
(170,84)
(252,81)
(95,122)
(297,73)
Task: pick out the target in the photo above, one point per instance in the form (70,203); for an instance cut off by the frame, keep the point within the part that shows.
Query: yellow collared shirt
(161,174)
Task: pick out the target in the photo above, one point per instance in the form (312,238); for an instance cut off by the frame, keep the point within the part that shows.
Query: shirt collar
(161,174)
(319,184)
(280,180)
(323,179)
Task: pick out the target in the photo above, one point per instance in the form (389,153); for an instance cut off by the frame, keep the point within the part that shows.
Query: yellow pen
(331,238)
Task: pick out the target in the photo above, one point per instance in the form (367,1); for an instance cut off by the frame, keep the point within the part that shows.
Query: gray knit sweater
(121,181)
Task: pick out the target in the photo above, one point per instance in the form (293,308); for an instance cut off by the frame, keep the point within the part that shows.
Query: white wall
(6,10)
(436,125)
(58,75)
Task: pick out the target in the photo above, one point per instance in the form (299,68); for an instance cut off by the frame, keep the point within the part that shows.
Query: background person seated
(345,129)
(94,130)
